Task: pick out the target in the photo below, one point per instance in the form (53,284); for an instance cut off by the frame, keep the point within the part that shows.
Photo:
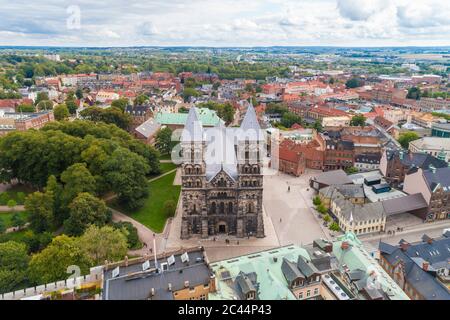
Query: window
(316,291)
(300,295)
(308,293)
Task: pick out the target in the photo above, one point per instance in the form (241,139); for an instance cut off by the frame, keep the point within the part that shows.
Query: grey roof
(220,153)
(306,267)
(290,270)
(347,190)
(148,128)
(250,120)
(416,159)
(404,204)
(440,176)
(436,253)
(333,177)
(373,158)
(423,282)
(358,212)
(193,129)
(135,284)
(246,282)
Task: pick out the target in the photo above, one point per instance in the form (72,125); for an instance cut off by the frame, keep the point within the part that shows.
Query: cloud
(358,10)
(227,22)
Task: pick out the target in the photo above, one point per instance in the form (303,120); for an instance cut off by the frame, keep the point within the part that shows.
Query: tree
(317,201)
(413,93)
(76,179)
(125,173)
(13,263)
(55,189)
(105,243)
(358,120)
(169,208)
(351,170)
(85,210)
(405,138)
(40,207)
(163,141)
(289,119)
(132,234)
(334,226)
(44,105)
(327,218)
(41,96)
(318,126)
(37,241)
(79,93)
(61,112)
(26,108)
(71,106)
(120,104)
(354,83)
(321,208)
(188,93)
(12,204)
(17,221)
(140,99)
(110,115)
(51,264)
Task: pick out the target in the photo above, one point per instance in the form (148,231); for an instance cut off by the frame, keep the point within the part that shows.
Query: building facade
(222,182)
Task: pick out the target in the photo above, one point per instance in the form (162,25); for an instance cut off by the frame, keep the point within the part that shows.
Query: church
(222,181)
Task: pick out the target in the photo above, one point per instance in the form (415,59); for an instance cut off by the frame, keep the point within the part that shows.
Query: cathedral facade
(222,181)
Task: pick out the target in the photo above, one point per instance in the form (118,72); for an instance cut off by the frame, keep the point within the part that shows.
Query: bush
(21,197)
(321,208)
(169,208)
(132,234)
(317,201)
(327,218)
(4,198)
(334,226)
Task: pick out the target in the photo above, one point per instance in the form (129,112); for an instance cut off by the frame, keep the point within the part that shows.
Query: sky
(222,23)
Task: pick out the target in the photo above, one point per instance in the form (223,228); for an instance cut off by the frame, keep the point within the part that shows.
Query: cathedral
(222,181)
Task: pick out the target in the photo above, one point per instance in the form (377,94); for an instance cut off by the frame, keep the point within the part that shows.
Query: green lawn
(165,156)
(152,214)
(165,167)
(7,216)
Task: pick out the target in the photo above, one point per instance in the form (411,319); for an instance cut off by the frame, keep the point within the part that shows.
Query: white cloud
(228,22)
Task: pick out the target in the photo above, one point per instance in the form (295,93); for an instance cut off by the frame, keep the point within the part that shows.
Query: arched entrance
(222,227)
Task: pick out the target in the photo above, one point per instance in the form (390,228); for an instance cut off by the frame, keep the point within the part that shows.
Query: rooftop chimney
(170,286)
(425,265)
(186,284)
(344,245)
(153,292)
(404,245)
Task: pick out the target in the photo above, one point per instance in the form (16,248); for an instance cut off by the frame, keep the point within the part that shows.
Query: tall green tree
(405,138)
(13,265)
(105,243)
(76,179)
(358,120)
(40,208)
(61,112)
(163,141)
(120,104)
(85,210)
(51,264)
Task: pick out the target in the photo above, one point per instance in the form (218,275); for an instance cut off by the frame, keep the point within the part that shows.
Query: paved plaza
(288,219)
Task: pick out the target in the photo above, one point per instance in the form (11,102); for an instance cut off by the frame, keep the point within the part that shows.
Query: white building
(435,146)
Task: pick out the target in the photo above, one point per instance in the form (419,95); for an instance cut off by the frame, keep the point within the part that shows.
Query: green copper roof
(207,117)
(272,283)
(356,257)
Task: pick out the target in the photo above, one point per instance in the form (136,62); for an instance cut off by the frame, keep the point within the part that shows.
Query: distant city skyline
(225,23)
